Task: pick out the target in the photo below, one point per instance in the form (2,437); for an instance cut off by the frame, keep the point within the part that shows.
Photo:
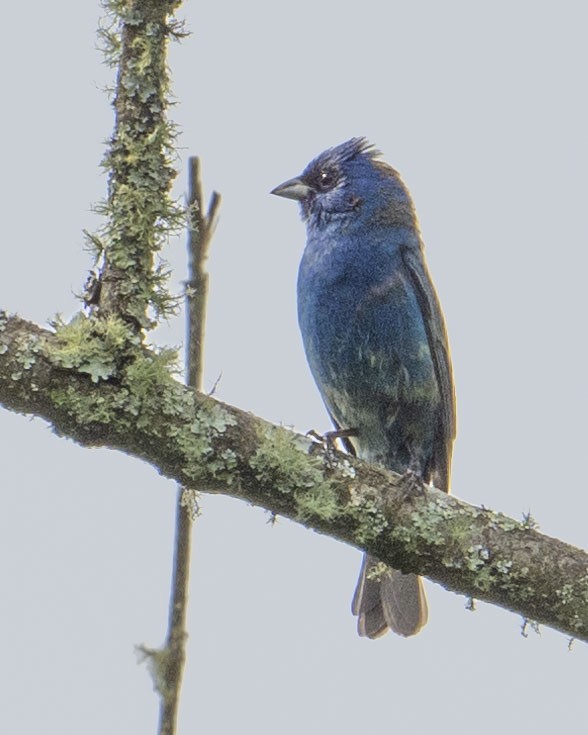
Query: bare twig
(200,230)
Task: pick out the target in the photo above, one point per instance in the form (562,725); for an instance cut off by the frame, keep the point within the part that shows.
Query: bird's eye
(326,180)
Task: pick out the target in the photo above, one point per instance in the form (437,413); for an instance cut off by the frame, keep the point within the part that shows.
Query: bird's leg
(330,437)
(328,441)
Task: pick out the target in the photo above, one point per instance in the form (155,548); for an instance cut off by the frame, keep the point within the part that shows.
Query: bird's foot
(327,441)
(330,437)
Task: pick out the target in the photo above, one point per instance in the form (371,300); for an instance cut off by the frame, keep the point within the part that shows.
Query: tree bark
(76,379)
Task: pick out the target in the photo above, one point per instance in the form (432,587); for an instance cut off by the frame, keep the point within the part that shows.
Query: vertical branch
(201,228)
(139,211)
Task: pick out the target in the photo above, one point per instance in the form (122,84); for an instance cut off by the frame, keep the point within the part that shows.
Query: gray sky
(483,110)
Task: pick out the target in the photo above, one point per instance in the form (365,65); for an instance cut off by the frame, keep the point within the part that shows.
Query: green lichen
(476,559)
(432,526)
(90,346)
(278,461)
(503,566)
(146,397)
(25,355)
(151,386)
(566,594)
(140,162)
(86,409)
(159,661)
(573,597)
(283,463)
(504,523)
(319,501)
(109,349)
(582,588)
(365,511)
(197,443)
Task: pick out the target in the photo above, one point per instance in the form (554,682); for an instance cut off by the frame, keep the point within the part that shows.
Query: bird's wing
(439,346)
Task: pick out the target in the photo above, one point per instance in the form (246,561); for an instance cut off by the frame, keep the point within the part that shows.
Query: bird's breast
(365,339)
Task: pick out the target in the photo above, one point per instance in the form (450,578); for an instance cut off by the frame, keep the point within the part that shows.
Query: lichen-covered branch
(136,406)
(139,212)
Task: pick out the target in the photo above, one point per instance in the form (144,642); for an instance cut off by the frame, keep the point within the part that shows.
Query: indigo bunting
(376,343)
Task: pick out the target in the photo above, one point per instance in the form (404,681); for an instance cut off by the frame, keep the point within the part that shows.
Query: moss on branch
(139,212)
(90,390)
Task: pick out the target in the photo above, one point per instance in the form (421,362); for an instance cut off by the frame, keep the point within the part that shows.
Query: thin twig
(200,230)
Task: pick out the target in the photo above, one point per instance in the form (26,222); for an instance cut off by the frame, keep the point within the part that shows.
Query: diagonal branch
(138,408)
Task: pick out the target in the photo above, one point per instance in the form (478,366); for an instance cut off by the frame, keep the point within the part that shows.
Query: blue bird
(376,343)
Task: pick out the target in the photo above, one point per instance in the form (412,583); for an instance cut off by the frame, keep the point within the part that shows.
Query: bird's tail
(386,598)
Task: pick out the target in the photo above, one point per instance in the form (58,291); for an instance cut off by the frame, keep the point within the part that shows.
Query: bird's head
(347,181)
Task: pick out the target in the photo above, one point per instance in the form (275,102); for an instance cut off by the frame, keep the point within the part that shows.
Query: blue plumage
(375,340)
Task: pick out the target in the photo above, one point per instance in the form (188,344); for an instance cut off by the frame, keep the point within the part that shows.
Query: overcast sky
(483,110)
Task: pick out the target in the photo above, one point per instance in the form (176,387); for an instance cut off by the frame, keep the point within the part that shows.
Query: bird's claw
(327,442)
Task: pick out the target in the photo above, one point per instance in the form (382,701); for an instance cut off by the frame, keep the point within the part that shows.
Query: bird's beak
(292,189)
